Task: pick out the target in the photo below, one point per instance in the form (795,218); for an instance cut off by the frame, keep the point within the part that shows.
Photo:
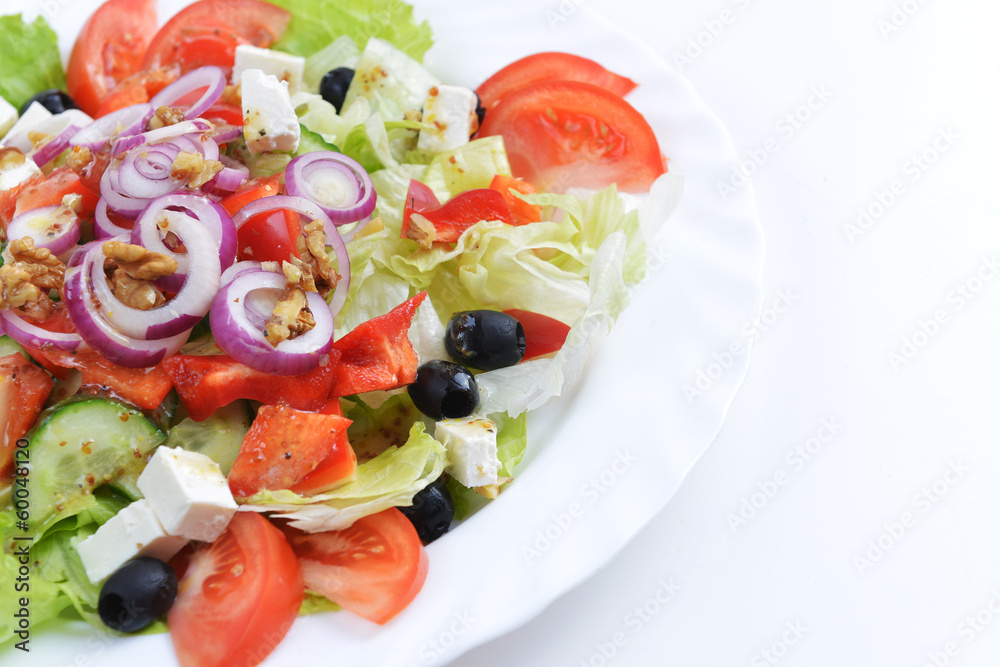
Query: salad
(294,303)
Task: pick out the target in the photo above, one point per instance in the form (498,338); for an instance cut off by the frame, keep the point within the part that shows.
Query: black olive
(444,390)
(54,100)
(136,594)
(480,113)
(485,339)
(432,511)
(334,84)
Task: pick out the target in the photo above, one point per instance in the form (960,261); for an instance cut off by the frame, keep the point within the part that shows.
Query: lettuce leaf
(31,61)
(316,23)
(391,479)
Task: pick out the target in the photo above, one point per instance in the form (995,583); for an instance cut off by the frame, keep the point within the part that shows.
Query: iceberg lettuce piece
(392,81)
(391,479)
(341,52)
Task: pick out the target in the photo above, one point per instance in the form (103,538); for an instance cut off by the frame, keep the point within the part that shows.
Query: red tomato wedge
(377,354)
(110,47)
(282,447)
(562,134)
(208,31)
(268,236)
(238,596)
(542,334)
(339,466)
(51,191)
(138,88)
(206,383)
(24,389)
(523,212)
(8,199)
(550,66)
(142,387)
(459,213)
(374,568)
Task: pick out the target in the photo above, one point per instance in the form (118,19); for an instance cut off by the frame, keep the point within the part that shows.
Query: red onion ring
(245,342)
(238,269)
(113,345)
(229,179)
(125,122)
(50,126)
(211,77)
(311,211)
(196,126)
(104,228)
(50,150)
(335,182)
(39,226)
(30,335)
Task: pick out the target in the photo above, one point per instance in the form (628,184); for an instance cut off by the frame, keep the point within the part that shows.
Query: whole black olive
(485,339)
(54,100)
(334,84)
(480,113)
(444,390)
(432,511)
(136,594)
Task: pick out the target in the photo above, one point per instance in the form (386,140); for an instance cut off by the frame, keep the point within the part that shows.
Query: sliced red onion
(125,122)
(50,126)
(26,333)
(311,211)
(191,302)
(104,227)
(239,337)
(229,179)
(197,126)
(337,183)
(122,350)
(50,150)
(57,233)
(210,77)
(238,269)
(213,218)
(226,133)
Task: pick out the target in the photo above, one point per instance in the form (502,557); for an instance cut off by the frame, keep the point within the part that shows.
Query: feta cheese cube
(472,449)
(189,494)
(269,120)
(37,119)
(8,116)
(33,115)
(15,168)
(450,111)
(134,531)
(284,66)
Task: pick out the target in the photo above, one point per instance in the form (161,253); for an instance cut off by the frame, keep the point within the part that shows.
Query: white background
(828,553)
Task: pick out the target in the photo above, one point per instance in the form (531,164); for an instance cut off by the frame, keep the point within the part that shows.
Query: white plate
(604,460)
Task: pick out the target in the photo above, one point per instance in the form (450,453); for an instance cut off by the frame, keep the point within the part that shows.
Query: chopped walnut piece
(317,274)
(413,114)
(139,294)
(79,158)
(139,262)
(20,293)
(491,491)
(291,317)
(37,138)
(45,268)
(232,94)
(421,230)
(165,116)
(194,169)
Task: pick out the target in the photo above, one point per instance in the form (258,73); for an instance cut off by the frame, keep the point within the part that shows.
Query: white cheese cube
(472,449)
(8,116)
(450,111)
(15,168)
(269,120)
(134,531)
(189,494)
(284,66)
(33,115)
(37,119)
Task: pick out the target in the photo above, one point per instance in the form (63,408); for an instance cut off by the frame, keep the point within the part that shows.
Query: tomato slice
(377,354)
(24,389)
(238,596)
(459,213)
(51,191)
(8,199)
(282,447)
(205,31)
(562,134)
(138,88)
(142,387)
(251,190)
(549,66)
(268,237)
(523,212)
(374,568)
(339,466)
(542,334)
(206,383)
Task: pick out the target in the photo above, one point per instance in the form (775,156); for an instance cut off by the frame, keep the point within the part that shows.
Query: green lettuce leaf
(316,23)
(391,479)
(341,52)
(31,61)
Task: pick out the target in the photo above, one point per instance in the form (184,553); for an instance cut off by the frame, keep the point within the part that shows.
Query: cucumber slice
(80,445)
(219,437)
